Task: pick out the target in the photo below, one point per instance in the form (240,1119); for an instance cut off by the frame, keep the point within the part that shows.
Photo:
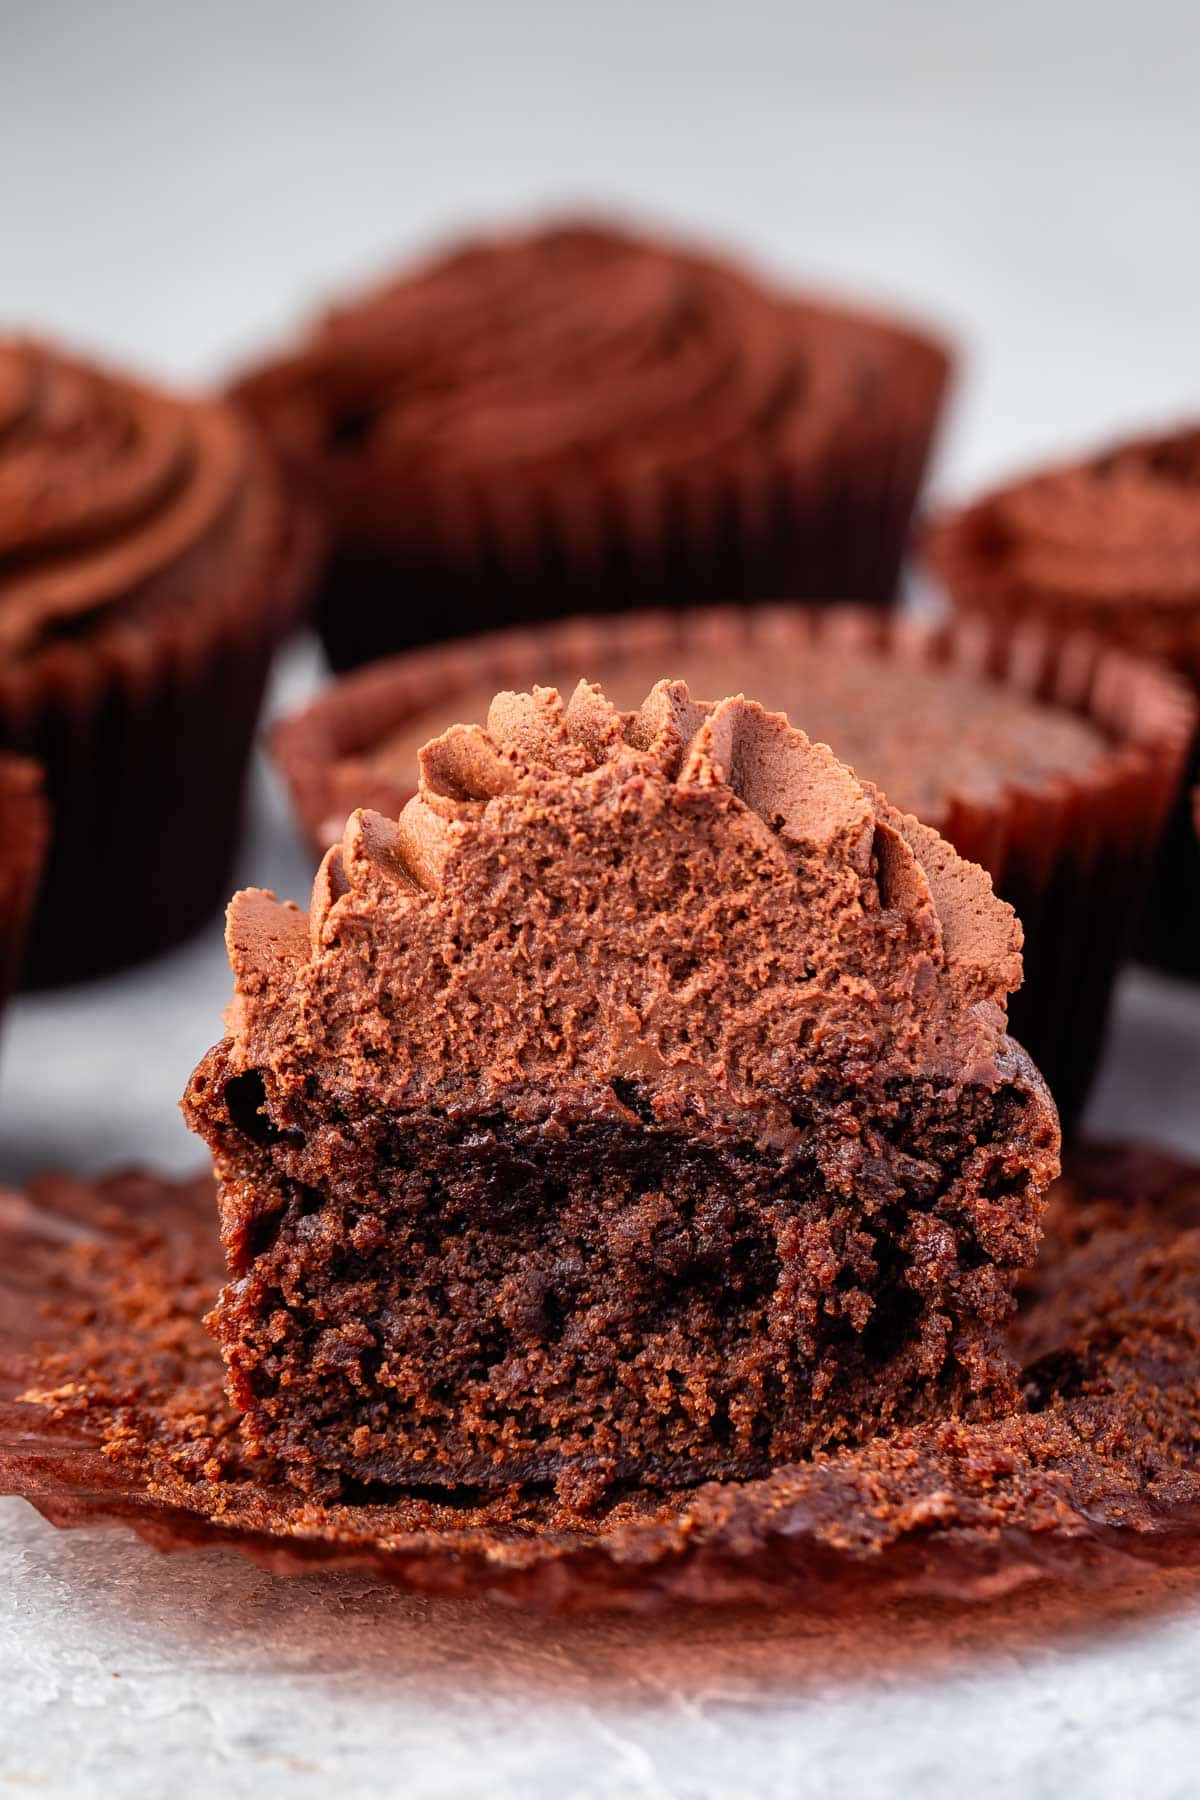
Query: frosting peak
(692,898)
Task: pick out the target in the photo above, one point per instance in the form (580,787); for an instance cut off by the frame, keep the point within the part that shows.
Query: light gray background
(177,186)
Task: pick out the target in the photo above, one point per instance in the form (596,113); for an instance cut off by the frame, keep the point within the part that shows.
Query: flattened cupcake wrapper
(112,1412)
(1072,856)
(144,733)
(24,833)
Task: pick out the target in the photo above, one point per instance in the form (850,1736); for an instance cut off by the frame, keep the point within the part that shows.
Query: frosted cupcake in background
(579,418)
(1109,542)
(150,562)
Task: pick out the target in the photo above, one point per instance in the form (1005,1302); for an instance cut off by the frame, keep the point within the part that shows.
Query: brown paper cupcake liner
(112,1412)
(957,550)
(457,561)
(1072,856)
(24,832)
(1170,934)
(579,418)
(144,732)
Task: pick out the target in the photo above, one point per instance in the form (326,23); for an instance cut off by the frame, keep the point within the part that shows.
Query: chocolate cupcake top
(578,350)
(1112,540)
(694,897)
(120,503)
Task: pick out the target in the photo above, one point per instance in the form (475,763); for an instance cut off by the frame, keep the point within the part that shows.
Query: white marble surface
(122,1677)
(176,184)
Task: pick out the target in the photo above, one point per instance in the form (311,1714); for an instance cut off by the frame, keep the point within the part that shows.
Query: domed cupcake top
(116,497)
(692,898)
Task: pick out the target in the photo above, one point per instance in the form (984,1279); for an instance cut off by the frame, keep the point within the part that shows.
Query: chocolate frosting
(579,349)
(692,897)
(924,735)
(117,499)
(1112,539)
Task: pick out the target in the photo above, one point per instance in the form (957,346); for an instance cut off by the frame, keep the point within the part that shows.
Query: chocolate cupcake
(1052,762)
(1111,542)
(580,419)
(638,1107)
(23,833)
(149,563)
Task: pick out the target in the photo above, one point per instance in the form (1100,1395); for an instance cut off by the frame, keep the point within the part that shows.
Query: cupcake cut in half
(579,418)
(1052,762)
(639,1106)
(149,564)
(1110,542)
(1091,1481)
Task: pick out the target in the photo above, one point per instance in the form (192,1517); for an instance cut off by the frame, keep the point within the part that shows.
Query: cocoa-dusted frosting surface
(692,896)
(118,499)
(578,346)
(925,736)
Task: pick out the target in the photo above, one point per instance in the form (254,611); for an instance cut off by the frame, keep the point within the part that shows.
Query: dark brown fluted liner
(1072,856)
(24,832)
(135,641)
(102,1287)
(1110,543)
(581,419)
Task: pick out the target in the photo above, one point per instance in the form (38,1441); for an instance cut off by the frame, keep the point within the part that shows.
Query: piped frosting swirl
(118,499)
(694,898)
(1112,540)
(579,348)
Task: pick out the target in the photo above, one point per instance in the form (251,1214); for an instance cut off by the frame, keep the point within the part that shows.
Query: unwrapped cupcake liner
(112,1412)
(24,833)
(1073,856)
(143,730)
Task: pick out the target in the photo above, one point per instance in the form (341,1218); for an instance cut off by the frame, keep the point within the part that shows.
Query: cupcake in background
(1051,761)
(1111,543)
(577,418)
(24,830)
(149,564)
